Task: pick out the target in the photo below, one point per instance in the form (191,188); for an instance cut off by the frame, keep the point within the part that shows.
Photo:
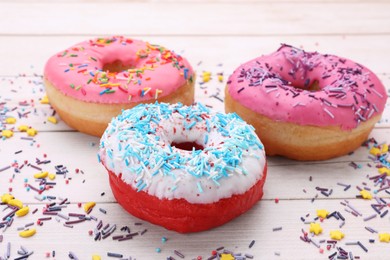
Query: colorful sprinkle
(315,228)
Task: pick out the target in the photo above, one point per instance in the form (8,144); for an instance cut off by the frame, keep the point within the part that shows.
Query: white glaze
(180,184)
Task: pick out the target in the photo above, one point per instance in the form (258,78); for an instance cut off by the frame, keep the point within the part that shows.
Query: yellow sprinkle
(28,232)
(52,119)
(45,100)
(52,176)
(16,203)
(32,132)
(7,133)
(41,175)
(383,170)
(375,151)
(23,128)
(226,257)
(322,213)
(336,235)
(96,257)
(384,237)
(366,194)
(88,206)
(22,212)
(315,228)
(385,148)
(10,120)
(220,78)
(6,197)
(206,76)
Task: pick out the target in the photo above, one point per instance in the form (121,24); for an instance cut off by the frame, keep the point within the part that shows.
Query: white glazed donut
(186,168)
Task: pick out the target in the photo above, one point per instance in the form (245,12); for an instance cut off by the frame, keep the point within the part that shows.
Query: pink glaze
(77,71)
(279,86)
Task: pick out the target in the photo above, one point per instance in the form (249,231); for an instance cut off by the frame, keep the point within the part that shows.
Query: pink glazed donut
(91,82)
(306,105)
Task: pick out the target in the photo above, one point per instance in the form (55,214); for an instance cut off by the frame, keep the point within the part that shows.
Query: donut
(186,168)
(306,105)
(91,82)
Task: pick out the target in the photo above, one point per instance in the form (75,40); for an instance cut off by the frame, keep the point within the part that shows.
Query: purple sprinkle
(114,255)
(5,168)
(179,254)
(363,247)
(371,230)
(72,256)
(370,217)
(384,213)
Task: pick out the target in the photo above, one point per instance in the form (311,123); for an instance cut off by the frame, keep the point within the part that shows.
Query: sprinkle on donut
(141,146)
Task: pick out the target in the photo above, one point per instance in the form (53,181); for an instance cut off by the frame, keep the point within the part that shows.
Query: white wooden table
(215,36)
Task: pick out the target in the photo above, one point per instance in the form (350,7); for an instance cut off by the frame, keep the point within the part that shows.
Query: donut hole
(312,86)
(187,146)
(116,66)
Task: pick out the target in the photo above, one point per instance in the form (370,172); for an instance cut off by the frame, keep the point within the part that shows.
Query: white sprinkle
(39,197)
(329,113)
(376,92)
(270,90)
(299,104)
(370,114)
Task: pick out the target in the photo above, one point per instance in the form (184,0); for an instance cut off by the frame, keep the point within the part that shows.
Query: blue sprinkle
(199,187)
(141,187)
(109,153)
(188,127)
(103,91)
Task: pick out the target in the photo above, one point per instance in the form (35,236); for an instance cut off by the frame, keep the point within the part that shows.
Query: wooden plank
(249,18)
(257,225)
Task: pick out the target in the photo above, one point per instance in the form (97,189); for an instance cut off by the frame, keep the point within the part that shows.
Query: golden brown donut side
(319,143)
(93,118)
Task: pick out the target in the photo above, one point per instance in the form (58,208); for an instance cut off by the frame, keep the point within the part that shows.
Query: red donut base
(180,215)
